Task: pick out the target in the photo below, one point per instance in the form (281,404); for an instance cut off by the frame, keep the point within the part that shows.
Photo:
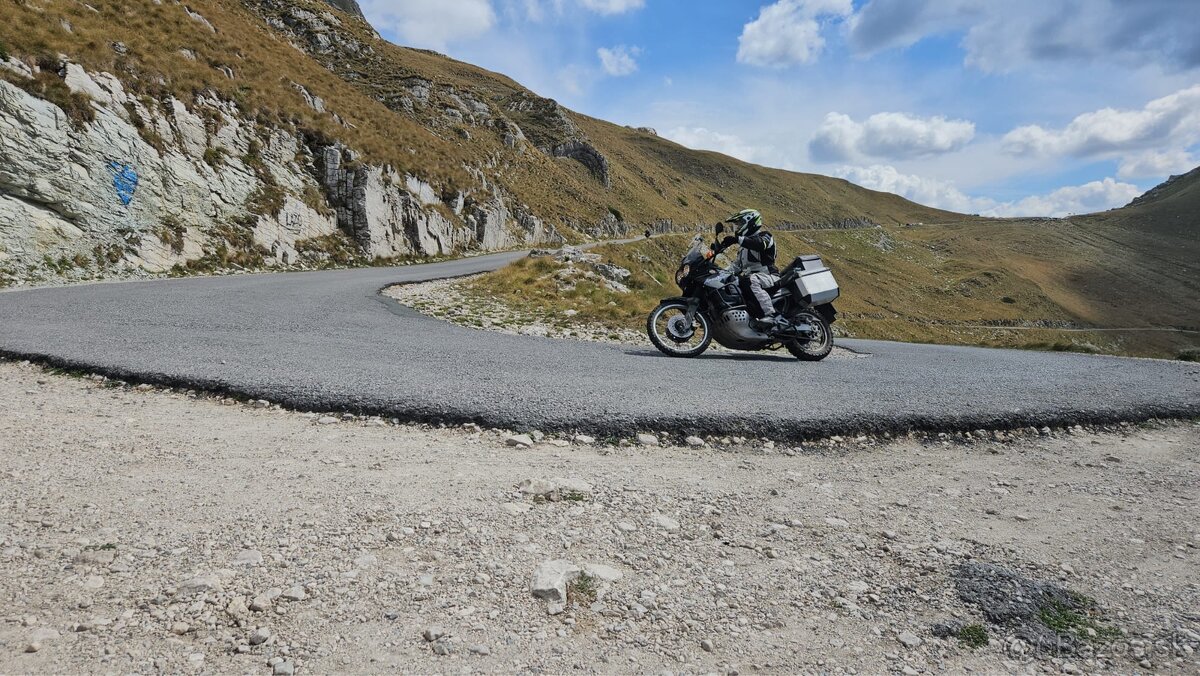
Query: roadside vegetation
(1011,284)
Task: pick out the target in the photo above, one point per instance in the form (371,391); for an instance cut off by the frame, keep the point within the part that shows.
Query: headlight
(682,274)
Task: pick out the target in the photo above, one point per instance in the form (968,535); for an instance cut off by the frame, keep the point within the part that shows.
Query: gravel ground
(153,530)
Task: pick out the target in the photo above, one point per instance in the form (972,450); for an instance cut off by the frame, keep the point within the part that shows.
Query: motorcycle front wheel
(819,346)
(667,329)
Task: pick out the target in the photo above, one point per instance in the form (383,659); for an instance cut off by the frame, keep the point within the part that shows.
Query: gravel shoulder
(154,530)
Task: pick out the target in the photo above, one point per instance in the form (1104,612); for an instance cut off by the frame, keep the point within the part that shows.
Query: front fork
(693,304)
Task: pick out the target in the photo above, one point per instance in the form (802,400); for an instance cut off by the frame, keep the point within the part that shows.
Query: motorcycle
(713,307)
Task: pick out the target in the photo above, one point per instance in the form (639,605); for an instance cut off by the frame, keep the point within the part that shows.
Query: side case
(816,284)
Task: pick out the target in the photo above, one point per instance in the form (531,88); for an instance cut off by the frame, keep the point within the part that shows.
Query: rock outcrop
(348,6)
(147,186)
(142,188)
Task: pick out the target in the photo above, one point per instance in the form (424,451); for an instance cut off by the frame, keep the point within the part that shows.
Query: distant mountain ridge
(1186,185)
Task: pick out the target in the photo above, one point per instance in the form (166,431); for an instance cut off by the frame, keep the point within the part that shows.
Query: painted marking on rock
(125,181)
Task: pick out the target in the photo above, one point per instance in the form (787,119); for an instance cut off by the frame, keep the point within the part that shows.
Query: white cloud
(1001,36)
(1154,163)
(706,139)
(887,135)
(1172,121)
(1081,199)
(1076,199)
(928,191)
(613,6)
(620,60)
(431,23)
(788,32)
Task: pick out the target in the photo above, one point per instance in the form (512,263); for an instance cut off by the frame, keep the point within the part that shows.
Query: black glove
(728,241)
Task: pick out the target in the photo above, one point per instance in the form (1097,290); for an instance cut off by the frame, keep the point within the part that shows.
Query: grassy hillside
(1030,284)
(402,106)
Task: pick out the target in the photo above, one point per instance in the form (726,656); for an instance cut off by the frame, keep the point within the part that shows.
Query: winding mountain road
(328,341)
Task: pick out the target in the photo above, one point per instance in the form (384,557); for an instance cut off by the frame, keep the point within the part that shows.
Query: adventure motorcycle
(713,307)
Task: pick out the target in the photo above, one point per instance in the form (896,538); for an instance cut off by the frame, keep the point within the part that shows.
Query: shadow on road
(733,356)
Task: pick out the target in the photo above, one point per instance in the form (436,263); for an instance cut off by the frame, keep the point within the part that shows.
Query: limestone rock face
(100,195)
(147,188)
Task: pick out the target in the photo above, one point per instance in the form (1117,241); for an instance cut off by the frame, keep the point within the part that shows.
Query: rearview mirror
(720,228)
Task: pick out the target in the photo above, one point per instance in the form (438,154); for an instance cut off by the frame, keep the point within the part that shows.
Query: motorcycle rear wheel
(819,346)
(657,329)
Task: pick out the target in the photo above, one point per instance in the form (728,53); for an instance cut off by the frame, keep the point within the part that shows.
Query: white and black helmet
(746,222)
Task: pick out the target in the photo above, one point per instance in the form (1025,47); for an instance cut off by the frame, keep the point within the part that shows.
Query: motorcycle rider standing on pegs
(755,263)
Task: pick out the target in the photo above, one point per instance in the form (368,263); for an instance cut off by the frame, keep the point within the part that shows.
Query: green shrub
(214,156)
(973,635)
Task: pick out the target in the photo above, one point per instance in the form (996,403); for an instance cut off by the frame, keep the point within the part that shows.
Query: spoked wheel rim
(670,334)
(821,342)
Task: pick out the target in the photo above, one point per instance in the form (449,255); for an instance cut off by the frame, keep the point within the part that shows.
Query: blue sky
(1020,107)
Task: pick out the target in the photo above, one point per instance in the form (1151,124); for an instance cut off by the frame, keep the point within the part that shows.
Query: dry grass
(153,37)
(970,284)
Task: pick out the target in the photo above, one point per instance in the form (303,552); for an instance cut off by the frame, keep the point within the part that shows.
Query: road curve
(328,341)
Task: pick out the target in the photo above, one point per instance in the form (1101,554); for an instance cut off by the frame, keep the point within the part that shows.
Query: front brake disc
(679,330)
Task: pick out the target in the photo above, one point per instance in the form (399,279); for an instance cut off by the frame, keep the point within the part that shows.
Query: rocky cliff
(201,187)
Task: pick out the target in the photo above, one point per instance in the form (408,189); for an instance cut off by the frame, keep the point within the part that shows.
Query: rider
(756,262)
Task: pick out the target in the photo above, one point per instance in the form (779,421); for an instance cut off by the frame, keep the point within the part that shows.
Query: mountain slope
(267,132)
(1121,282)
(593,164)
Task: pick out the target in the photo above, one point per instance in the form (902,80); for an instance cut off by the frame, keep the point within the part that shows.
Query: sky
(1005,108)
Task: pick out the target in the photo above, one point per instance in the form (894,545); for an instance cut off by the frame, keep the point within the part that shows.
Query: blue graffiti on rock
(125,181)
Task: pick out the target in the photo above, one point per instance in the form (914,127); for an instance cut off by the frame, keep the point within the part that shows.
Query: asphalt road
(328,341)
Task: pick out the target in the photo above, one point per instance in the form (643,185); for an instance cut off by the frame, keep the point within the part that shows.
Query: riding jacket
(757,254)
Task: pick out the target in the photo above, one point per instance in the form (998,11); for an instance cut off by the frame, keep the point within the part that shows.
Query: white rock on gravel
(201,583)
(519,440)
(536,487)
(665,522)
(265,600)
(248,557)
(573,486)
(909,639)
(602,572)
(584,439)
(647,440)
(550,580)
(694,442)
(260,636)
